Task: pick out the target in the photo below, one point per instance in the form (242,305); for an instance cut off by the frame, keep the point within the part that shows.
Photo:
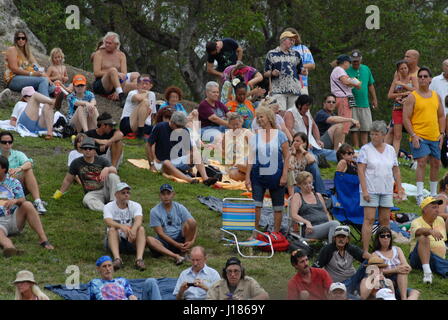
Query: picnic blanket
(23,131)
(166,287)
(266,218)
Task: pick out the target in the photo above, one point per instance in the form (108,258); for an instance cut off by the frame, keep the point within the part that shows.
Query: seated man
(168,135)
(174,225)
(110,70)
(194,282)
(125,232)
(15,211)
(337,259)
(235,285)
(108,288)
(308,283)
(337,291)
(109,141)
(98,177)
(428,236)
(140,108)
(21,168)
(330,126)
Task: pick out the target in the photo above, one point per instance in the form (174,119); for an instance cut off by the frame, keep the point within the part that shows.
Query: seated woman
(35,120)
(21,168)
(299,160)
(173,96)
(82,111)
(346,163)
(241,104)
(26,287)
(308,207)
(22,69)
(397,267)
(374,279)
(235,145)
(443,195)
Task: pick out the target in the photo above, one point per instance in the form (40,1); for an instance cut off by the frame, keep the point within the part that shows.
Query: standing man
(362,111)
(125,232)
(308,283)
(424,119)
(440,85)
(194,282)
(109,140)
(174,225)
(283,65)
(226,52)
(412,57)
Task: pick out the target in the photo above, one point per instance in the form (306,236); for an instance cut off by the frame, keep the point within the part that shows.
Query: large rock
(10,22)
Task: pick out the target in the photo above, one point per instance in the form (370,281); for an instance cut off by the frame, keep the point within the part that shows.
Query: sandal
(180,261)
(47,245)
(117,264)
(140,265)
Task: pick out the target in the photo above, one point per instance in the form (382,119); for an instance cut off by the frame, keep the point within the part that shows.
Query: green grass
(77,233)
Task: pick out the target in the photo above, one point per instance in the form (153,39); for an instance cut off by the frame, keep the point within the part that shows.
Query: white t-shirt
(129,106)
(74,154)
(122,216)
(379,175)
(440,85)
(20,107)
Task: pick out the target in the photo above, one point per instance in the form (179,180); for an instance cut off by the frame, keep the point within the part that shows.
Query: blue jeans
(313,168)
(151,290)
(330,155)
(40,84)
(354,281)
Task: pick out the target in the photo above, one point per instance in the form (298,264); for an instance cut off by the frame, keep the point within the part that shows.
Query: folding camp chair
(238,214)
(296,228)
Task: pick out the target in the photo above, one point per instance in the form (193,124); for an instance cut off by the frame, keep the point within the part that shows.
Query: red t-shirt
(317,288)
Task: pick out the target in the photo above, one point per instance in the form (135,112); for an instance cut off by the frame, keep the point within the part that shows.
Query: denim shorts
(426,148)
(377,200)
(277,196)
(31,125)
(124,246)
(179,239)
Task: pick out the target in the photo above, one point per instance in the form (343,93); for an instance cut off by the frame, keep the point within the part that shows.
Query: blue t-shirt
(72,98)
(10,188)
(161,136)
(115,289)
(321,121)
(171,222)
(307,58)
(177,107)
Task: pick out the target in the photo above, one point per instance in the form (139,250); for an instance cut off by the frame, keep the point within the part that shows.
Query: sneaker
(39,205)
(427,278)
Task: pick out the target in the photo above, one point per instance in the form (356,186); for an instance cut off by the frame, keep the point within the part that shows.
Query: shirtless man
(110,70)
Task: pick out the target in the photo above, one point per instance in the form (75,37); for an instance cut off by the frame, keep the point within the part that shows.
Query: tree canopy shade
(167,38)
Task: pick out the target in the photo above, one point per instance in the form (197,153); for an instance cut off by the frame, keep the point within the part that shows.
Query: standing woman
(341,86)
(26,287)
(20,71)
(400,88)
(377,171)
(267,167)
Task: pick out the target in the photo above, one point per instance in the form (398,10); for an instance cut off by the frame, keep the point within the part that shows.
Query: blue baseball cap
(166,186)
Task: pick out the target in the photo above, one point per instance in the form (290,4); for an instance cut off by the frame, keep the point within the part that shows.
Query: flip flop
(140,265)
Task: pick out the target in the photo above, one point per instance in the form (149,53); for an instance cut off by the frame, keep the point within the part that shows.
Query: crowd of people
(266,137)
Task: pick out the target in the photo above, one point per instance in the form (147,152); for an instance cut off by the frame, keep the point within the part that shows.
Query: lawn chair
(238,214)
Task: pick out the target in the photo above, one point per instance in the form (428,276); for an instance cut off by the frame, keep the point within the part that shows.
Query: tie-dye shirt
(10,188)
(115,289)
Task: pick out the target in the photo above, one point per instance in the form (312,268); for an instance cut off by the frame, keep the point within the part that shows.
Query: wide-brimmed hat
(23,276)
(377,261)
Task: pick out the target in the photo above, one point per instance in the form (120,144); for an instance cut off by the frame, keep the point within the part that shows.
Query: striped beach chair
(238,214)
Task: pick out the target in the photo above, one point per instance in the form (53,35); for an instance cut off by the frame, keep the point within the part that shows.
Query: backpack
(279,241)
(296,242)
(213,172)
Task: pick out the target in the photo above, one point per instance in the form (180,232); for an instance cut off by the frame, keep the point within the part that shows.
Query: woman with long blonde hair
(26,287)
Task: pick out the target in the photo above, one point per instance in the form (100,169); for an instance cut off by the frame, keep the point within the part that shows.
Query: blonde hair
(268,113)
(36,291)
(26,52)
(302,176)
(55,51)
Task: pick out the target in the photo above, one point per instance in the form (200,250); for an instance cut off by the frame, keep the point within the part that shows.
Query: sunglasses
(20,38)
(333,102)
(88,149)
(342,229)
(424,76)
(385,235)
(80,85)
(170,221)
(6,142)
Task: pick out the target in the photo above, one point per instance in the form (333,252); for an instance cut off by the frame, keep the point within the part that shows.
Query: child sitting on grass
(57,72)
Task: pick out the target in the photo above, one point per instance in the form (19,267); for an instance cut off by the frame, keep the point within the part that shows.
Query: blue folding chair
(238,214)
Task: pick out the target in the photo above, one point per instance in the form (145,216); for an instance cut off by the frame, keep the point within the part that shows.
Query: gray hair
(116,38)
(379,126)
(179,118)
(211,84)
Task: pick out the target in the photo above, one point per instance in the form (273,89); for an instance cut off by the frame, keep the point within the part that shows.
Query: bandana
(103,259)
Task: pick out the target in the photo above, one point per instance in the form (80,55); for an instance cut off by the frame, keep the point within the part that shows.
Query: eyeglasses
(385,235)
(6,142)
(80,85)
(233,271)
(333,102)
(20,38)
(424,76)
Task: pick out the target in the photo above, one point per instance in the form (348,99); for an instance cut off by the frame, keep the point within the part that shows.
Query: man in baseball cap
(337,291)
(428,236)
(125,231)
